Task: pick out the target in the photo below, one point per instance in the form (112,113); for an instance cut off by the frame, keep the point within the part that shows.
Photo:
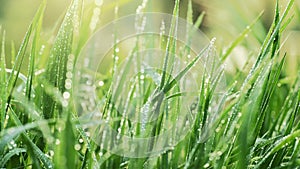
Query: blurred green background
(225,20)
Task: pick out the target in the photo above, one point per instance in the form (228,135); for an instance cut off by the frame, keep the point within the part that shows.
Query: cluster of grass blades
(258,127)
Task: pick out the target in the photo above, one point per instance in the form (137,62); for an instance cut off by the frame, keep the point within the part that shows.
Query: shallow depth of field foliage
(258,126)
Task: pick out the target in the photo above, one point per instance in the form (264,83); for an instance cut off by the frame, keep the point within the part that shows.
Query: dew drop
(96,11)
(77,147)
(66,95)
(98,2)
(69,81)
(101,83)
(206,165)
(42,50)
(68,85)
(65,103)
(51,153)
(118,137)
(69,65)
(69,75)
(57,141)
(240,114)
(88,134)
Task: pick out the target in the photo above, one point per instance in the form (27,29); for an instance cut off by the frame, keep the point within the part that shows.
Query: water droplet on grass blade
(142,91)
(57,141)
(66,95)
(51,153)
(206,165)
(77,147)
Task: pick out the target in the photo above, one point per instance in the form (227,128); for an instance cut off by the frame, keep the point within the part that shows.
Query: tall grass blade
(65,154)
(240,38)
(171,45)
(33,53)
(3,83)
(21,54)
(273,32)
(59,56)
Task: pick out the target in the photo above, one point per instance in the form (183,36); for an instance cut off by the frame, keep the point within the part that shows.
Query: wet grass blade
(183,72)
(10,154)
(171,45)
(271,84)
(59,57)
(21,54)
(65,154)
(3,83)
(33,53)
(37,155)
(251,131)
(279,145)
(273,32)
(240,38)
(9,134)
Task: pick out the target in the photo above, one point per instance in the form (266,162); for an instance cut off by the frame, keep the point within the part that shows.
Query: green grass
(258,126)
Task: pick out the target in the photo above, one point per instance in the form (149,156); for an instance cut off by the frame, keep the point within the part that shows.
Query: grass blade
(34,150)
(239,39)
(171,44)
(3,84)
(33,53)
(10,154)
(21,54)
(59,57)
(280,145)
(65,154)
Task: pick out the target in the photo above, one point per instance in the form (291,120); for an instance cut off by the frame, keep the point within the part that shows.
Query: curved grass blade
(35,152)
(280,145)
(9,134)
(10,154)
